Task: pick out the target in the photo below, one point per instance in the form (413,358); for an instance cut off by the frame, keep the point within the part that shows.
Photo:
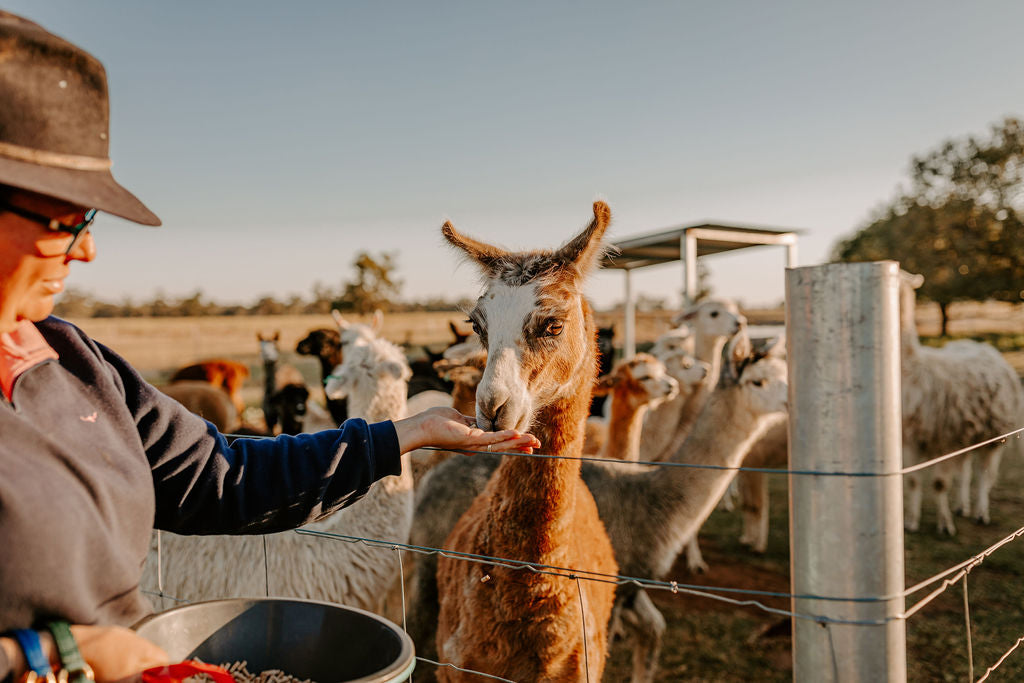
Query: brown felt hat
(54,122)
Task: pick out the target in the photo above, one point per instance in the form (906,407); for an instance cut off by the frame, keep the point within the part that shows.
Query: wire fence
(735,596)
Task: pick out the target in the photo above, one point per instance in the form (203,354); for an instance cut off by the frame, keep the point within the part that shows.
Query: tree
(374,285)
(960,224)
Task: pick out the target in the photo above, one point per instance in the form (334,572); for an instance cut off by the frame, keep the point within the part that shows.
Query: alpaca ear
(915,280)
(339,320)
(732,359)
(685,316)
(585,250)
(604,385)
(484,254)
(394,369)
(378,321)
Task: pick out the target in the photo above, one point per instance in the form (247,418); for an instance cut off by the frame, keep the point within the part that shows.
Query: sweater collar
(21,349)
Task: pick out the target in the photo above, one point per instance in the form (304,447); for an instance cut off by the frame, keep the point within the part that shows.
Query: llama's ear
(339,320)
(585,250)
(486,255)
(685,316)
(277,335)
(378,321)
(604,384)
(734,359)
(394,369)
(915,280)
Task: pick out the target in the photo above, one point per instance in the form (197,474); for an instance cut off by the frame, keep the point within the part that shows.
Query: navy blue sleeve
(203,485)
(266,485)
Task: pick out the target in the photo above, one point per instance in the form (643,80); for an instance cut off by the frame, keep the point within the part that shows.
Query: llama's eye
(714,314)
(476,328)
(552,328)
(757,382)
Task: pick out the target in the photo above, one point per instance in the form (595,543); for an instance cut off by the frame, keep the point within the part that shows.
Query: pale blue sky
(276,139)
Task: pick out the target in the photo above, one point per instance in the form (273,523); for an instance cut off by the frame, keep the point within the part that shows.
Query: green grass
(712,641)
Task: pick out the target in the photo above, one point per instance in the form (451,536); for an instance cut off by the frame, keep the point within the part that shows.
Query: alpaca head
(687,371)
(759,376)
(357,333)
(369,367)
(639,381)
(678,339)
(712,318)
(289,405)
(268,347)
(322,342)
(534,323)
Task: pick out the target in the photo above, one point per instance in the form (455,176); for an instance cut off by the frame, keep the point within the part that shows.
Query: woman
(92,458)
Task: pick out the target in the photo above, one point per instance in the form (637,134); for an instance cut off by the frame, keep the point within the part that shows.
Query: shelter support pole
(629,345)
(688,255)
(846,533)
(791,254)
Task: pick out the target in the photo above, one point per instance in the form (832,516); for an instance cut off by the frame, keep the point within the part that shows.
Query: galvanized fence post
(846,533)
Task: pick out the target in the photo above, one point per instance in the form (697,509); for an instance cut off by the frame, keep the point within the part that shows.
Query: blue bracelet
(32,647)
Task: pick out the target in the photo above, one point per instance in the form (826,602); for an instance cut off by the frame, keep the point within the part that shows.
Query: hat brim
(89,189)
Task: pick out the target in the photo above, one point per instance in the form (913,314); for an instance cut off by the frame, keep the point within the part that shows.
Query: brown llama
(229,375)
(636,385)
(540,338)
(207,401)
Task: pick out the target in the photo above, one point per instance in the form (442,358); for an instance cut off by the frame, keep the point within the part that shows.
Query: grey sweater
(92,458)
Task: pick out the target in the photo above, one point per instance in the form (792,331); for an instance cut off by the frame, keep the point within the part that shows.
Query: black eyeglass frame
(77,232)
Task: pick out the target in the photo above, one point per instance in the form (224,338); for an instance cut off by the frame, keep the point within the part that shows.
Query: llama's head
(534,323)
(687,371)
(639,381)
(760,377)
(354,334)
(712,318)
(677,340)
(368,365)
(268,346)
(322,342)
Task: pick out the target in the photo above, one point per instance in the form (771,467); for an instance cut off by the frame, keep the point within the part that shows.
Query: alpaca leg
(963,507)
(941,482)
(646,626)
(728,500)
(988,471)
(912,512)
(694,559)
(753,488)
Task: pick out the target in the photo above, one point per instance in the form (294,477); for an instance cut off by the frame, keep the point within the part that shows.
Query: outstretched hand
(448,428)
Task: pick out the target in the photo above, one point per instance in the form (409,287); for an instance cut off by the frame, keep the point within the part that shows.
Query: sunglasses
(78,230)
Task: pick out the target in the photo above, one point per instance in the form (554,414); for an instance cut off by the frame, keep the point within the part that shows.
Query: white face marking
(268,350)
(503,391)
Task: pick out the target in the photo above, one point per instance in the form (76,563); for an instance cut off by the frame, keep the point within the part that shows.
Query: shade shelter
(686,244)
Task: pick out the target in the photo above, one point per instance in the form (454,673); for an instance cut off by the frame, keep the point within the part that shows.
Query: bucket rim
(399,670)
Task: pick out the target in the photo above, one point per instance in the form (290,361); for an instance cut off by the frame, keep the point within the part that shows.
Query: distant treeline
(77,304)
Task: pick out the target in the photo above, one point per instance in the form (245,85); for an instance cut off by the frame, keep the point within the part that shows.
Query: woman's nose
(84,250)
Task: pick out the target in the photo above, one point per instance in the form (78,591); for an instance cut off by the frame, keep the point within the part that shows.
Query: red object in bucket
(177,673)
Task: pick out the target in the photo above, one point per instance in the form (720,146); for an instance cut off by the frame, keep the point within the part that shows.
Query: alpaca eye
(553,328)
(758,382)
(714,314)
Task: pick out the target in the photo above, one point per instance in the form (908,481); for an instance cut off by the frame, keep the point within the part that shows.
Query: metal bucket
(319,641)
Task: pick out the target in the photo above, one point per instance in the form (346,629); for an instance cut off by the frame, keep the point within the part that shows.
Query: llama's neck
(326,366)
(386,402)
(709,349)
(687,410)
(721,437)
(625,425)
(269,376)
(533,499)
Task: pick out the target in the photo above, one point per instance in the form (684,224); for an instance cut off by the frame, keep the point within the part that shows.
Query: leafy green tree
(960,224)
(374,286)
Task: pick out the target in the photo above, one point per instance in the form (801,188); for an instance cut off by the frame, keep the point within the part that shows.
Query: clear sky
(276,139)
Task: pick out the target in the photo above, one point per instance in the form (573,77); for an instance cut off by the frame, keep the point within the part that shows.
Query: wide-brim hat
(54,122)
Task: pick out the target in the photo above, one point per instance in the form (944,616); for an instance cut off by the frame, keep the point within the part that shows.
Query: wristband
(73,666)
(32,648)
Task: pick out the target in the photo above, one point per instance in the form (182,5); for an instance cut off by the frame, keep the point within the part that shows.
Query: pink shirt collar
(19,351)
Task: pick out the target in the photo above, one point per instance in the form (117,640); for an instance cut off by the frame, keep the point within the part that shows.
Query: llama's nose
(491,415)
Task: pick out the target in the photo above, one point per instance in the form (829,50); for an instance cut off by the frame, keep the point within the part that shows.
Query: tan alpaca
(635,385)
(541,344)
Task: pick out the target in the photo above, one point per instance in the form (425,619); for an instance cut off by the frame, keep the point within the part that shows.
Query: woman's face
(33,264)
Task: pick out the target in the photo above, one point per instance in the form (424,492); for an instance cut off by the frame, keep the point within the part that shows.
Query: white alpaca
(953,397)
(713,322)
(373,376)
